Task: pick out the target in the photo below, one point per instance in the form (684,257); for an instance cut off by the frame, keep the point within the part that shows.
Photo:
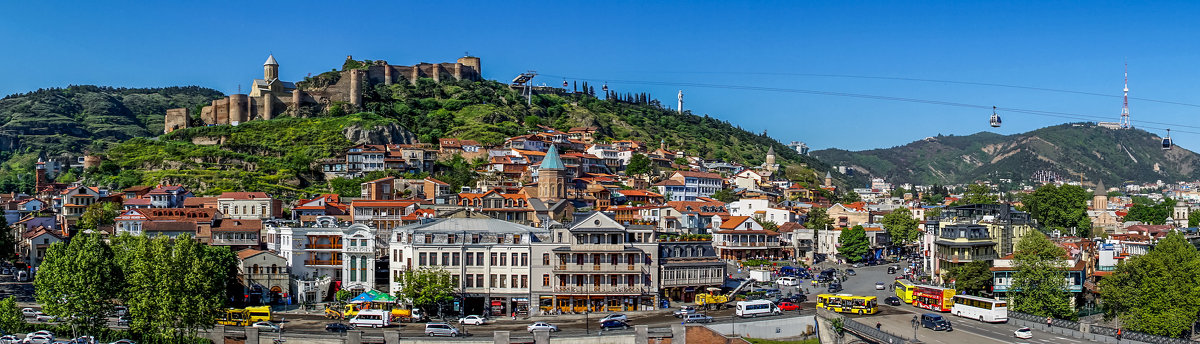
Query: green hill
(280,155)
(1115,156)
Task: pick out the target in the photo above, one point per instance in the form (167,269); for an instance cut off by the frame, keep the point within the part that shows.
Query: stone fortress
(270,97)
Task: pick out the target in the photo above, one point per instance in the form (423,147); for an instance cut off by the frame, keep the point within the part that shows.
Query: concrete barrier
(767,329)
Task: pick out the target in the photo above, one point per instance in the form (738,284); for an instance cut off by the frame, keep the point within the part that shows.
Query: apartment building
(599,264)
(343,252)
(488,259)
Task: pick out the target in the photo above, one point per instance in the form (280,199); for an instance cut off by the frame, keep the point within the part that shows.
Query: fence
(871,332)
(1137,336)
(1060,323)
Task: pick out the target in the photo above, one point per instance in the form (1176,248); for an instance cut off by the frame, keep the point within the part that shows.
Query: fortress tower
(270,68)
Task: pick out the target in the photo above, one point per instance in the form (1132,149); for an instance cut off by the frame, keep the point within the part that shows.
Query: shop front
(577,304)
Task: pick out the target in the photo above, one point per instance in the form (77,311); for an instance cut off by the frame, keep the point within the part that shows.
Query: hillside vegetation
(1114,156)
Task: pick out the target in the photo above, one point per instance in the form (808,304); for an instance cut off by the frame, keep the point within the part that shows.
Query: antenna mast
(680,101)
(1125,101)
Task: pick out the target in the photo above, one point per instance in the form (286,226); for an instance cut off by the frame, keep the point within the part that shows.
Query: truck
(761,275)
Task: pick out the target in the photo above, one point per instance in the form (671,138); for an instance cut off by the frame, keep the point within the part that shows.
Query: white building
(342,252)
(249,206)
(761,209)
(488,258)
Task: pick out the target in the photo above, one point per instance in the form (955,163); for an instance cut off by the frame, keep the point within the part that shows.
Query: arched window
(254,269)
(546,259)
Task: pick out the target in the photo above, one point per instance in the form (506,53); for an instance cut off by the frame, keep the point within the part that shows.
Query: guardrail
(1136,336)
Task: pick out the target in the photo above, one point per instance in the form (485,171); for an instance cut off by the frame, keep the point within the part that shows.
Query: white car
(541,326)
(29,312)
(787,281)
(45,317)
(10,339)
(620,317)
(265,326)
(879,286)
(39,337)
(472,320)
(1023,333)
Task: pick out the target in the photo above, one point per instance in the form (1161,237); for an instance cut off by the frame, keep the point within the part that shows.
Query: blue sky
(1077,46)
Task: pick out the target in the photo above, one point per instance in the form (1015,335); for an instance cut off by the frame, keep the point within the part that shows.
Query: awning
(373,296)
(496,303)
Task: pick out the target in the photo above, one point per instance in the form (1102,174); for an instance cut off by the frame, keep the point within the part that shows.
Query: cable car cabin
(995,121)
(1166,142)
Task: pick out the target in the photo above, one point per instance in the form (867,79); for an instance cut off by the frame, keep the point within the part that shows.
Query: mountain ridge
(1066,150)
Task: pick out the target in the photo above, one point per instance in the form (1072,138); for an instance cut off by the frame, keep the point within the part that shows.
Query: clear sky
(1076,46)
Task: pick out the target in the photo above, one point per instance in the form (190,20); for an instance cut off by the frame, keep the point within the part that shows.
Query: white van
(756,308)
(372,318)
(787,281)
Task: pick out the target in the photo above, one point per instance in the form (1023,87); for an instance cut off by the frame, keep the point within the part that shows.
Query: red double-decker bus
(933,298)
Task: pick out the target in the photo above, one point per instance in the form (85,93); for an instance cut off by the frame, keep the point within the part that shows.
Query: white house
(343,252)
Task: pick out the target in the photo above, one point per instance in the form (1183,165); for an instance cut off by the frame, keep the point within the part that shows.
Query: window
(516,238)
(525,259)
(546,280)
(433,258)
(470,258)
(456,257)
(513,259)
(492,281)
(353,266)
(474,238)
(514,281)
(479,281)
(454,279)
(446,258)
(546,259)
(451,238)
(479,259)
(493,258)
(470,281)
(428,238)
(421,260)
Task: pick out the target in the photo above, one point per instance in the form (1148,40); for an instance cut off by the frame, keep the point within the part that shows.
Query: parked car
(10,339)
(891,270)
(440,329)
(84,340)
(472,320)
(45,317)
(788,306)
(835,287)
(893,301)
(787,281)
(1023,333)
(613,324)
(338,327)
(880,286)
(541,326)
(857,265)
(615,316)
(39,337)
(29,312)
(698,318)
(685,311)
(851,271)
(265,326)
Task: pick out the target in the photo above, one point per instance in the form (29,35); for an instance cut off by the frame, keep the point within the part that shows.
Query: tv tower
(1125,101)
(680,109)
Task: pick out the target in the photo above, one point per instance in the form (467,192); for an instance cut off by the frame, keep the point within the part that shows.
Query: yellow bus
(235,317)
(846,303)
(904,290)
(260,313)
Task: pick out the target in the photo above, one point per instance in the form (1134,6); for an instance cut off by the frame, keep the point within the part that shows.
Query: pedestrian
(878,326)
(1049,322)
(514,315)
(1120,332)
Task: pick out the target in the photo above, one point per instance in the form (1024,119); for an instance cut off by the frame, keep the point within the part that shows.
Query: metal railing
(598,267)
(600,289)
(1042,320)
(1136,336)
(323,262)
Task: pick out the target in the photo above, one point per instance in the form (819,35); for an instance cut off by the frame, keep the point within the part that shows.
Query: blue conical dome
(552,161)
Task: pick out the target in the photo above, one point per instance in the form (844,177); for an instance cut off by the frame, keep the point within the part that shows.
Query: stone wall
(176,119)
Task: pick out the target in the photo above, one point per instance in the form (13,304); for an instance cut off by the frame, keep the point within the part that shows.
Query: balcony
(965,258)
(223,241)
(733,244)
(600,289)
(322,262)
(598,247)
(358,249)
(323,246)
(598,268)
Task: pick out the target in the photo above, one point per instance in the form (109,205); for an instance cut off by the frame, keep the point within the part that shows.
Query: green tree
(978,194)
(817,219)
(725,195)
(99,214)
(77,281)
(457,172)
(639,164)
(975,276)
(901,226)
(1194,218)
(11,319)
(426,287)
(8,243)
(1059,207)
(1039,284)
(1156,293)
(768,225)
(854,244)
(1149,212)
(174,286)
(849,197)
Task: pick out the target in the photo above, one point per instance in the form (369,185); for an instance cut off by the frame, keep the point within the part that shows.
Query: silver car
(440,329)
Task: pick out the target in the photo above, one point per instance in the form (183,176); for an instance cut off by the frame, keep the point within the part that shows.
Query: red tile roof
(244,195)
(695,174)
(733,222)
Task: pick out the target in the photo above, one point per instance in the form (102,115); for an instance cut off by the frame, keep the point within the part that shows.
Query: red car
(788,306)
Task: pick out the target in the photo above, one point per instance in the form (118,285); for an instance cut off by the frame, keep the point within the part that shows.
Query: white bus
(372,318)
(756,308)
(980,308)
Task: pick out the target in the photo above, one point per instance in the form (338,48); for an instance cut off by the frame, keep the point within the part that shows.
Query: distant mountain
(79,118)
(1111,155)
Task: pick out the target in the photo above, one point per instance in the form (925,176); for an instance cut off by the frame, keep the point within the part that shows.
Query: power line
(890,98)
